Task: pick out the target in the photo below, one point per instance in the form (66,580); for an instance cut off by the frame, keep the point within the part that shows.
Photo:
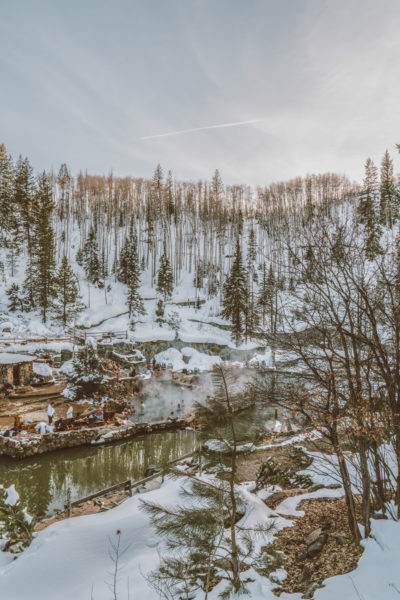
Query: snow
(7,358)
(42,369)
(12,496)
(70,559)
(67,368)
(196,360)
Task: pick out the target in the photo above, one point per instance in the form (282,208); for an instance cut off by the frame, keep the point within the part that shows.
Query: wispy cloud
(193,129)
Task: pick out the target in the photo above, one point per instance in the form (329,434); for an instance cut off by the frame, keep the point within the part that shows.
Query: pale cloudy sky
(312,85)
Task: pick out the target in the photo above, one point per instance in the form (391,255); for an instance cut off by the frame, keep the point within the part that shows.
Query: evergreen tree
(389,197)
(87,373)
(134,300)
(165,280)
(204,528)
(252,247)
(128,261)
(67,299)
(160,312)
(80,259)
(16,525)
(6,194)
(252,317)
(14,299)
(43,263)
(90,255)
(170,206)
(10,228)
(24,196)
(266,298)
(103,266)
(367,211)
(236,296)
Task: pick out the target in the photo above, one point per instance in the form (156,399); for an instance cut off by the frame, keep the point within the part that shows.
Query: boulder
(313,536)
(316,547)
(304,575)
(275,498)
(309,593)
(152,470)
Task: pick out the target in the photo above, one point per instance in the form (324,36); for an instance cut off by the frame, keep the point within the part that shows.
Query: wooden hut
(16,369)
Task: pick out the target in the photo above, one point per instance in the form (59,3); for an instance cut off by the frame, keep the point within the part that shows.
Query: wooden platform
(46,391)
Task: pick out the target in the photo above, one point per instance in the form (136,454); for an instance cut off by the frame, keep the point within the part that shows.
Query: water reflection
(42,482)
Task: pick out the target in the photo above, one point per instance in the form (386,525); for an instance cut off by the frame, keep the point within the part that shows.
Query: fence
(80,335)
(128,485)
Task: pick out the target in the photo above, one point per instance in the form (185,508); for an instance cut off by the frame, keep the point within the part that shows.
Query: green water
(42,482)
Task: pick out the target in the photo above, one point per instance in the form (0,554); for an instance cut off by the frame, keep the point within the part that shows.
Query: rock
(275,498)
(309,593)
(333,486)
(151,470)
(304,575)
(313,536)
(339,538)
(316,547)
(302,555)
(316,487)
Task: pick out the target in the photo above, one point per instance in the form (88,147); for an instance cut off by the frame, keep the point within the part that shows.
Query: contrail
(220,126)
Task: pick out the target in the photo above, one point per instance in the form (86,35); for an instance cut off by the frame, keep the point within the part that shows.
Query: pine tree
(10,228)
(251,249)
(252,317)
(14,299)
(6,193)
(134,300)
(165,281)
(43,262)
(90,254)
(103,266)
(67,303)
(389,199)
(159,312)
(170,206)
(24,195)
(16,525)
(204,529)
(236,296)
(266,298)
(128,261)
(87,374)
(367,211)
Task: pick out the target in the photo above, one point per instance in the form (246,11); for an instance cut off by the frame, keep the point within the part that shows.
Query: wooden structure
(16,369)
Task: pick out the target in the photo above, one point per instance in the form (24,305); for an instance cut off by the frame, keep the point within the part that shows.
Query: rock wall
(19,448)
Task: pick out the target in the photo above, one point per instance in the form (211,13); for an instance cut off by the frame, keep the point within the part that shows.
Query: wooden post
(276,414)
(200,464)
(130,487)
(68,505)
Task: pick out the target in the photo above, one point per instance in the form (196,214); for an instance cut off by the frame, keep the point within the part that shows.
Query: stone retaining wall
(19,448)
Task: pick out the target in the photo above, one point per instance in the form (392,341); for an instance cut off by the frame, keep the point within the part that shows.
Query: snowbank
(7,358)
(196,360)
(42,369)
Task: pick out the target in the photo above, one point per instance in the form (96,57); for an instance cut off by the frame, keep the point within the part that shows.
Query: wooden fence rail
(128,484)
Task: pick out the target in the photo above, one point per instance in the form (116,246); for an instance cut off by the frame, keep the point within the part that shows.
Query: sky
(263,90)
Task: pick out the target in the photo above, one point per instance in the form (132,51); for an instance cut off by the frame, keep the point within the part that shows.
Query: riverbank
(20,447)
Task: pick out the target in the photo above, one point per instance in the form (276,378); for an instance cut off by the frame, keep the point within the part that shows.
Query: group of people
(42,427)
